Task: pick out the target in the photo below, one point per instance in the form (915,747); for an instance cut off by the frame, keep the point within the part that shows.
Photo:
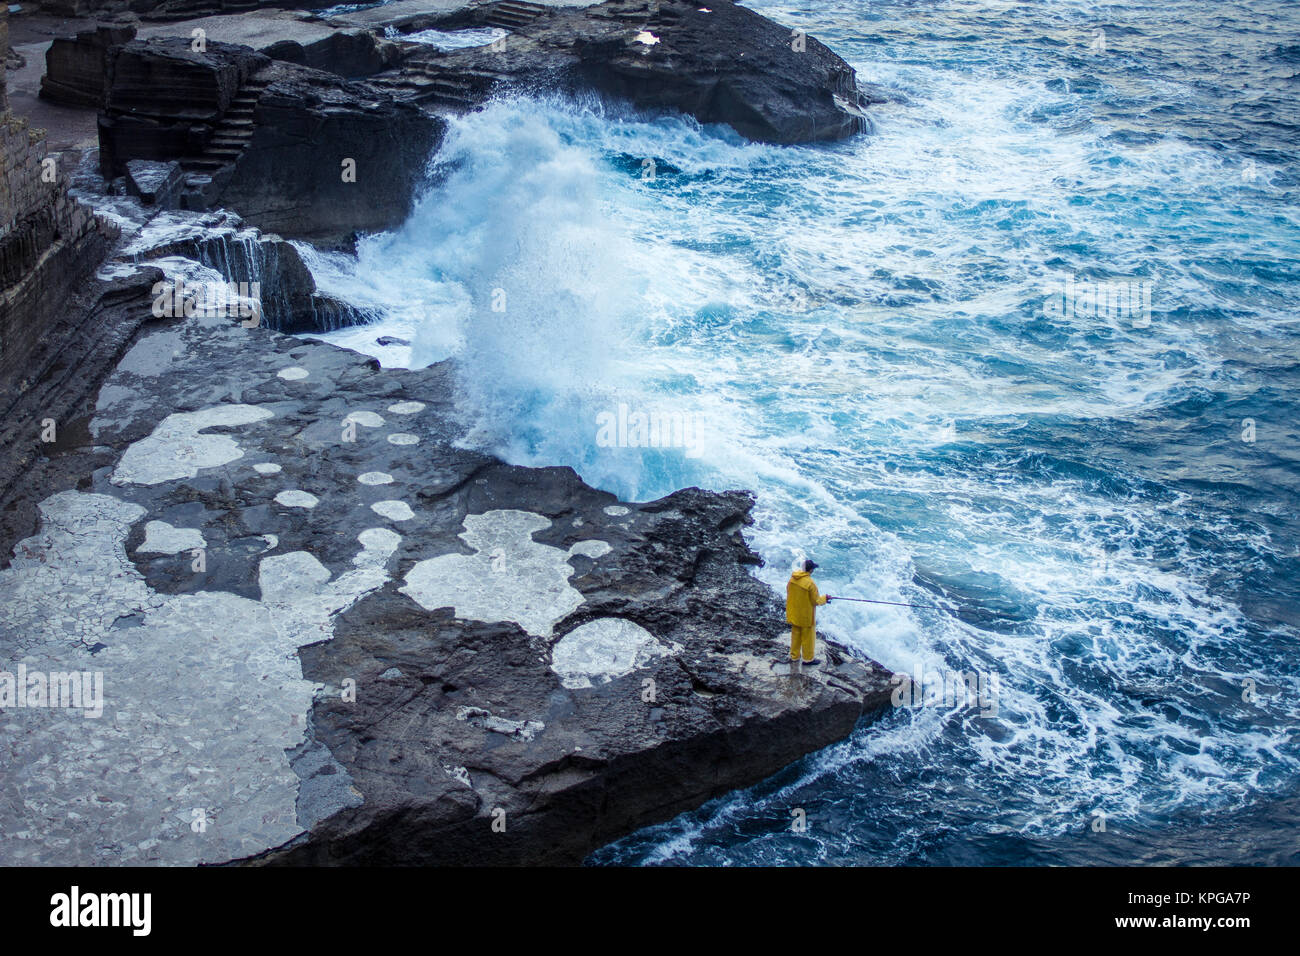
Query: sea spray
(863,326)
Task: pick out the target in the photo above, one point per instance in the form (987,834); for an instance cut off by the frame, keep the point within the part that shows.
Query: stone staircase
(232,133)
(171,11)
(427,84)
(513,14)
(661,17)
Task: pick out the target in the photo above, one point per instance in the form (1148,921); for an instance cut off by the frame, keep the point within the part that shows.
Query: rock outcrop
(296,151)
(49,243)
(720,63)
(76,68)
(340,638)
(164,100)
(349,53)
(331,632)
(329,158)
(271,268)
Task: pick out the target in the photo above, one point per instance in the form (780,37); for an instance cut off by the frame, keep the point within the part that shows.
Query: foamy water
(858,331)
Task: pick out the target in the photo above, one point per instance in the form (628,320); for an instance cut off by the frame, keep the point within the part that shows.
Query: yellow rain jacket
(802,600)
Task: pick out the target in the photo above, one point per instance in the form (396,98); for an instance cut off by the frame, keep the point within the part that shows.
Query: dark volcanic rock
(76,67)
(49,246)
(435,657)
(728,65)
(349,53)
(313,130)
(460,726)
(164,99)
(78,346)
(720,63)
(290,301)
(306,154)
(155,183)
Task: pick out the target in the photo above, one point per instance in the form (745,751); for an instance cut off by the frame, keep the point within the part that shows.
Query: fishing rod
(932,607)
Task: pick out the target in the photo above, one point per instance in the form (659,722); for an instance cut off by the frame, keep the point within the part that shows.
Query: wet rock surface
(342,639)
(329,158)
(296,151)
(720,63)
(328,633)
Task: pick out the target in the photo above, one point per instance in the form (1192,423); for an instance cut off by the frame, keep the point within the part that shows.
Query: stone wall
(4,53)
(75,67)
(49,243)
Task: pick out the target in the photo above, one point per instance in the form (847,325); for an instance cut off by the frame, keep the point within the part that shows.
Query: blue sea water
(1104,504)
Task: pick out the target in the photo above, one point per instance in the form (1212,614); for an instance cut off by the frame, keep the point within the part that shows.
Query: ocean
(1028,351)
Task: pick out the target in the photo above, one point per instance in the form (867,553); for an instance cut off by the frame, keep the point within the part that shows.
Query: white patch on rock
(518,729)
(286,577)
(393,510)
(375,478)
(366,419)
(602,650)
(293,373)
(162,538)
(294,498)
(592,548)
(177,449)
(615,511)
(204,698)
(267,468)
(378,545)
(403,438)
(458,773)
(510,577)
(646,37)
(303,600)
(406,408)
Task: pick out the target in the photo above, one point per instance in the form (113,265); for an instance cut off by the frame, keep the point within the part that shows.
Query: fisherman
(801,603)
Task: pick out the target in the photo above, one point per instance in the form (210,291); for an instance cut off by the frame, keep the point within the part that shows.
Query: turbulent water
(872,336)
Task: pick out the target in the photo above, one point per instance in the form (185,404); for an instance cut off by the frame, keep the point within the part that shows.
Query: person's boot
(812,663)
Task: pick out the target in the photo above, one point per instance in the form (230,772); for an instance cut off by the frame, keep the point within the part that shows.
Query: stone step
(447,81)
(536,9)
(202,163)
(512,14)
